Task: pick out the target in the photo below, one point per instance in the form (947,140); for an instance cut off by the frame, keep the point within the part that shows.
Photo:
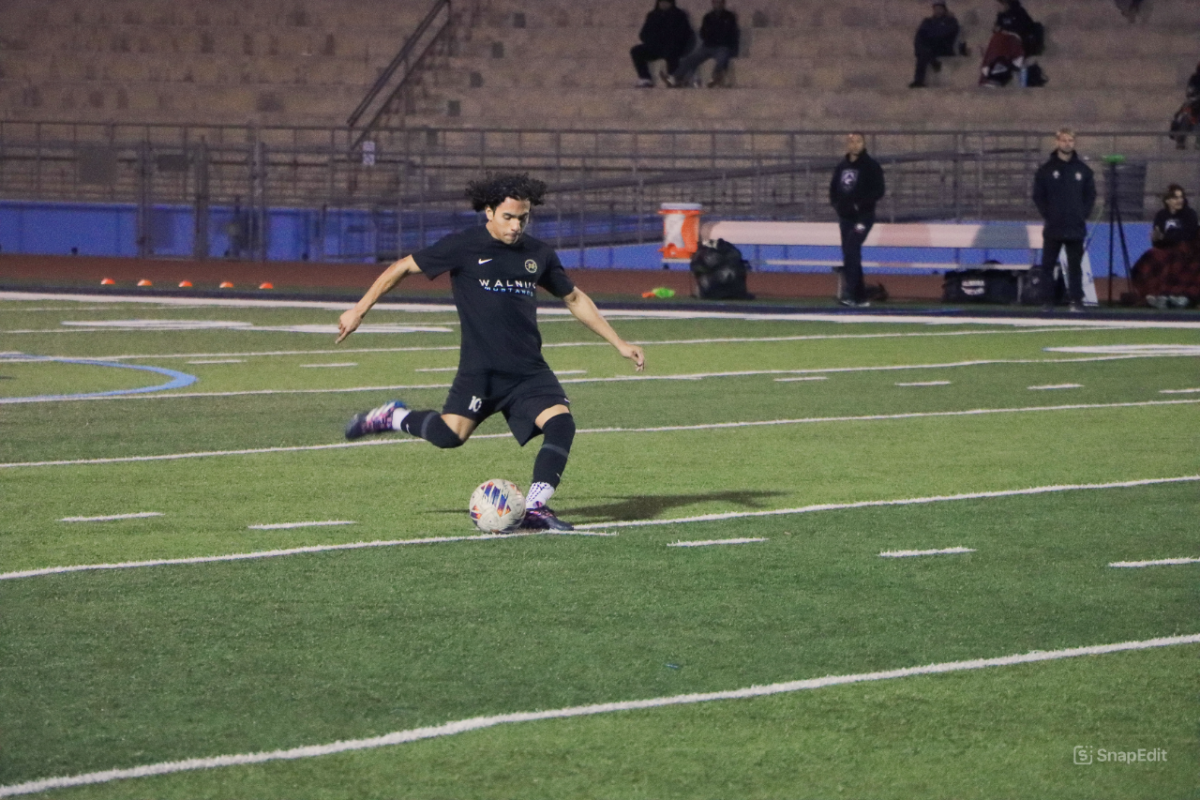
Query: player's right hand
(634,354)
(348,323)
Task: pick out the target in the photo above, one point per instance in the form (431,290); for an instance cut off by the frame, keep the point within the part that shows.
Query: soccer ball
(497,506)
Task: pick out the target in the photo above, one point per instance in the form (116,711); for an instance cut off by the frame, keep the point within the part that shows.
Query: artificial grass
(122,668)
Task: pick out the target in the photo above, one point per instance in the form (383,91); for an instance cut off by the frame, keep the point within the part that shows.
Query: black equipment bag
(1036,290)
(720,272)
(1034,40)
(981,286)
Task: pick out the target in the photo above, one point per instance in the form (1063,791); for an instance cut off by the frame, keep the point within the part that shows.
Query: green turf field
(1039,453)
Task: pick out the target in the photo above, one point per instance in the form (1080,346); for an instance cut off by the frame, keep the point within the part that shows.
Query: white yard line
(1053,386)
(658,429)
(220,361)
(925,383)
(600,528)
(696,376)
(1179,391)
(710,542)
(804,378)
(291,551)
(915,553)
(647,343)
(1162,562)
(283,526)
(645,314)
(330,366)
(479,723)
(910,501)
(114,517)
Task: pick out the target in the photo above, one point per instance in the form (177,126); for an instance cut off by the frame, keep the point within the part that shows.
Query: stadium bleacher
(558,64)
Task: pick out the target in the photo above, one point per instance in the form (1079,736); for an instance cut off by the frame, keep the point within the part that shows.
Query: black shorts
(521,398)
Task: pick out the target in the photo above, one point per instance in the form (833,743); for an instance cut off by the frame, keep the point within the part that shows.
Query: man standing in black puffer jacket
(1064,191)
(857,185)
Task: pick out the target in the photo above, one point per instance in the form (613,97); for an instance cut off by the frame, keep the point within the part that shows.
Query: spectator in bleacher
(1130,8)
(719,39)
(1168,274)
(1005,52)
(857,185)
(1187,118)
(935,39)
(666,34)
(1064,191)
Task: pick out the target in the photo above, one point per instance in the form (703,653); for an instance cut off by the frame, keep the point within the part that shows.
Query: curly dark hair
(496,187)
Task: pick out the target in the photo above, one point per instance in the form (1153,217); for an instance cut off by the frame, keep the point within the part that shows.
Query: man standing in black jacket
(1064,191)
(857,185)
(666,34)
(719,38)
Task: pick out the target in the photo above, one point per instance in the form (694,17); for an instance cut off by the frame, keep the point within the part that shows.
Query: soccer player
(495,270)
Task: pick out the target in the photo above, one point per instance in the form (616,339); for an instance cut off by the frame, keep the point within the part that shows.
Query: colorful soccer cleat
(377,420)
(543,519)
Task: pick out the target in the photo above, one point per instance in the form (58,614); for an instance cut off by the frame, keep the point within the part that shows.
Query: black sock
(430,426)
(557,435)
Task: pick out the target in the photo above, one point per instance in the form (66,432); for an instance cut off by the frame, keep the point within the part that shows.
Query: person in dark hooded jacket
(935,38)
(666,34)
(856,186)
(1064,191)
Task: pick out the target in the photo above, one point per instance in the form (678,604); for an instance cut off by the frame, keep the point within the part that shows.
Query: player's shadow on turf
(654,506)
(651,507)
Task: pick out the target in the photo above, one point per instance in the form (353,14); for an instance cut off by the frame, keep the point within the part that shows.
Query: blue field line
(178,381)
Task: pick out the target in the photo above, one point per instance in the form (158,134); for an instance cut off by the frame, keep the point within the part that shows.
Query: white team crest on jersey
(530,266)
(475,403)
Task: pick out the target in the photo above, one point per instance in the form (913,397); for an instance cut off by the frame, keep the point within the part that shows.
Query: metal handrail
(401,58)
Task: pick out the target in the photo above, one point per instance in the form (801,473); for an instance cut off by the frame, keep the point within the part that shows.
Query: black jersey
(494,286)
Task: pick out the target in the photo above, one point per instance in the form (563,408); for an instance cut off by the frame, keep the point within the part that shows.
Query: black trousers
(854,233)
(643,54)
(928,51)
(1051,247)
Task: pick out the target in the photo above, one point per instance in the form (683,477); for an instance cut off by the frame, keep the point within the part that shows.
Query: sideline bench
(948,236)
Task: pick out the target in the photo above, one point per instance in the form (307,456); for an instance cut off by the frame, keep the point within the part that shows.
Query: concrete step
(1006,109)
(178,103)
(603,72)
(191,68)
(811,14)
(327,14)
(873,45)
(380,43)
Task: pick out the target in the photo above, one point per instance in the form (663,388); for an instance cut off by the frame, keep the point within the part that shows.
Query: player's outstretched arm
(584,310)
(388,279)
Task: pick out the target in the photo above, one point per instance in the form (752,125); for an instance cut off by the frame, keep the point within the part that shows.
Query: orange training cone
(185,284)
(267,286)
(144,282)
(225,285)
(108,282)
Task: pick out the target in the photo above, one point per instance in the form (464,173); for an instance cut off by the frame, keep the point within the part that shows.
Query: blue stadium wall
(98,229)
